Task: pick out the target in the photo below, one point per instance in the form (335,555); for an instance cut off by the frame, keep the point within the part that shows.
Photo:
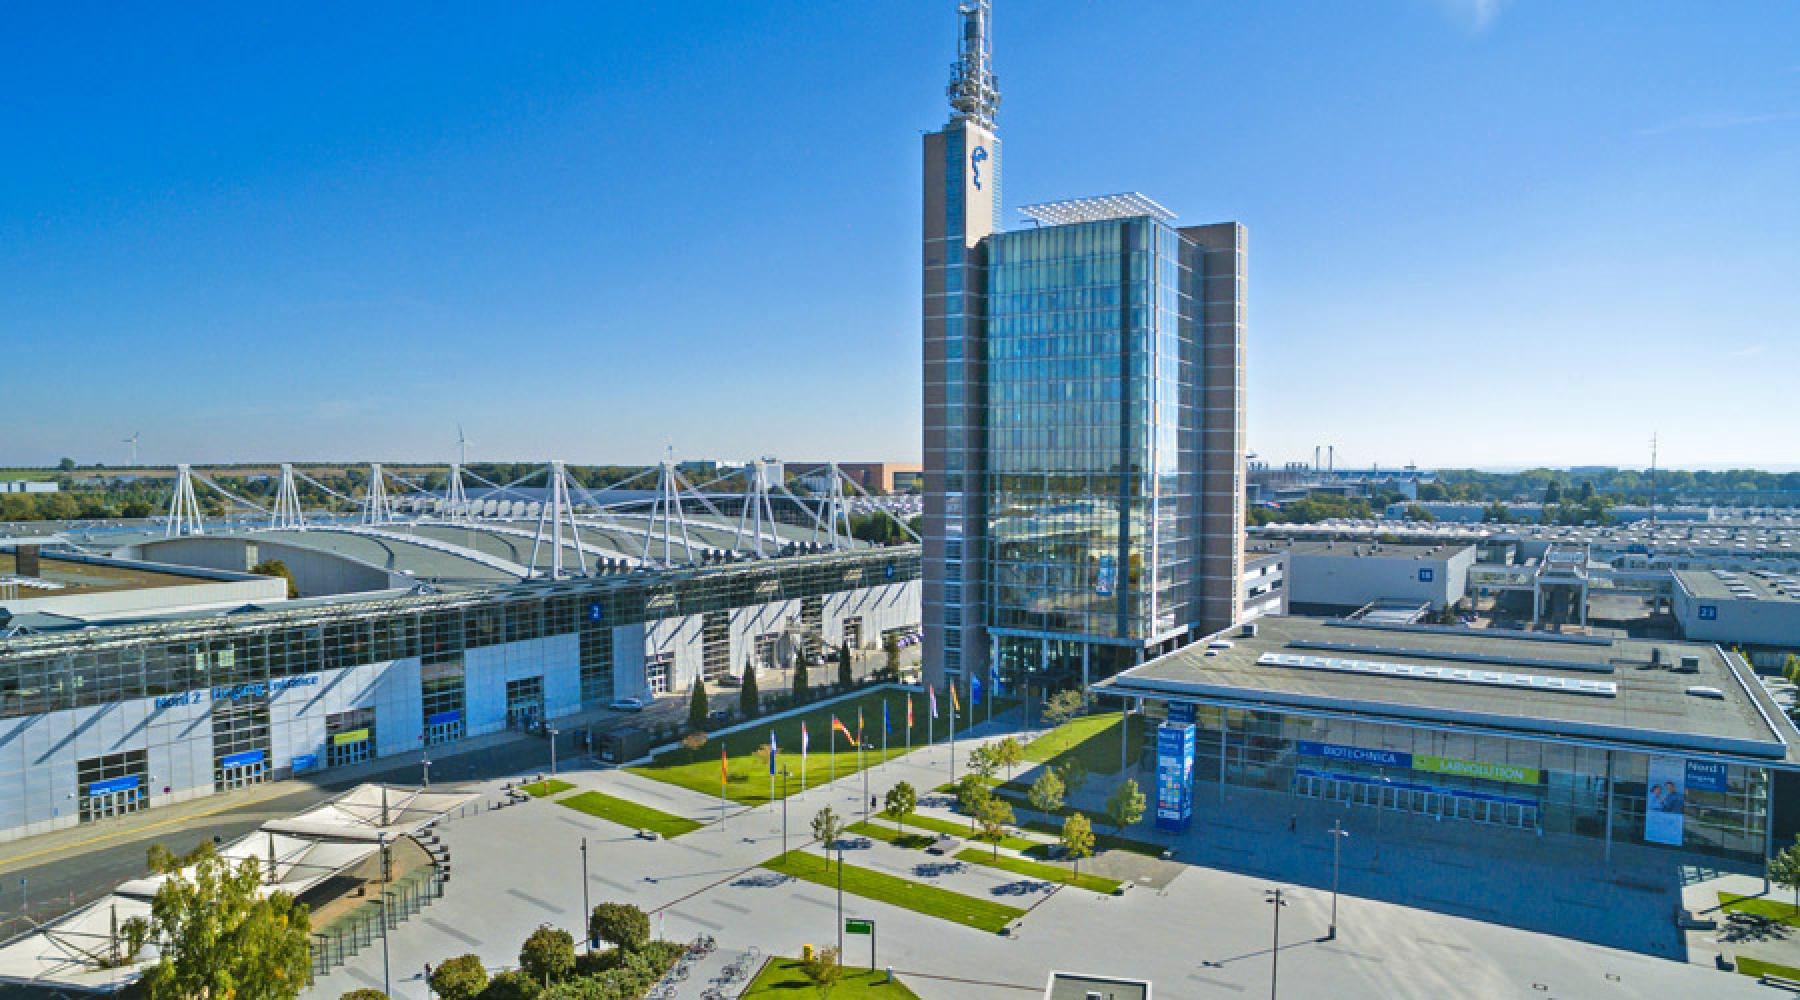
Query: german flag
(840,727)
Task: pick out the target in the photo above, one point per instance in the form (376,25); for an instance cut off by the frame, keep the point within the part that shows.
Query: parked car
(626,705)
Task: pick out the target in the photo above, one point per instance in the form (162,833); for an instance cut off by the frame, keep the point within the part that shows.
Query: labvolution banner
(1665,799)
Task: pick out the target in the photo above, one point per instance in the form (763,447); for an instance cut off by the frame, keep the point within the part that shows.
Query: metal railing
(357,928)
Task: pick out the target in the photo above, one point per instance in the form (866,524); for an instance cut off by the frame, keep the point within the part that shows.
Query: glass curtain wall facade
(1091,527)
(1468,777)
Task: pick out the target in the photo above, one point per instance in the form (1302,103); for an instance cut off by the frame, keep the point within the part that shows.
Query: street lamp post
(386,985)
(586,911)
(426,761)
(1338,833)
(1274,896)
(552,733)
(784,798)
(840,901)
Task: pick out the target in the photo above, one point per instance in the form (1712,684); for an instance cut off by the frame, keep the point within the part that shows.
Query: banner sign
(305,761)
(1107,577)
(1360,755)
(1181,713)
(441,718)
(1706,775)
(1665,800)
(238,692)
(242,759)
(1174,776)
(353,736)
(124,784)
(1514,773)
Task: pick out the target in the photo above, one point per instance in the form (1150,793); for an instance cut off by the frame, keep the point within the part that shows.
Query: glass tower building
(1083,430)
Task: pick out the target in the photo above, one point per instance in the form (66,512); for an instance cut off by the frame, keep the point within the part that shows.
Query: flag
(994,682)
(773,750)
(886,725)
(840,727)
(974,691)
(909,710)
(724,770)
(931,695)
(805,740)
(859,724)
(955,704)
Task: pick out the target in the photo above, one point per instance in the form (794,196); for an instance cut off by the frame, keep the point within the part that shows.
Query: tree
(622,925)
(1047,792)
(890,654)
(697,705)
(459,978)
(364,994)
(846,676)
(1061,707)
(1077,839)
(694,740)
(67,465)
(901,801)
(1784,868)
(802,687)
(994,815)
(1125,805)
(982,762)
(548,954)
(824,969)
(1074,774)
(1586,492)
(275,567)
(827,827)
(971,793)
(748,698)
(220,940)
(514,984)
(1497,512)
(1414,512)
(1008,753)
(1553,493)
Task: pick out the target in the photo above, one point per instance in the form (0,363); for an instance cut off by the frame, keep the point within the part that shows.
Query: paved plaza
(1479,901)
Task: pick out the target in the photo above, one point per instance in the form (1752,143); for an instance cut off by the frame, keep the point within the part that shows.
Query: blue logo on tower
(976,158)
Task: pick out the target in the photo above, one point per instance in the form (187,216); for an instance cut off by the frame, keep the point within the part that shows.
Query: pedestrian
(1293,822)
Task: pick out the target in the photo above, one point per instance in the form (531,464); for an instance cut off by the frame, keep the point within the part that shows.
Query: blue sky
(1481,233)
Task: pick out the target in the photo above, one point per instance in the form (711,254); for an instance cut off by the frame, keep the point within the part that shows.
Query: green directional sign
(853,925)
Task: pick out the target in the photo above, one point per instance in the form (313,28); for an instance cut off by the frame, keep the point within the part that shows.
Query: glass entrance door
(525,703)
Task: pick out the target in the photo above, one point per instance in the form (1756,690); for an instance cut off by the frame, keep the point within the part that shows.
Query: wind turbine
(462,446)
(133,442)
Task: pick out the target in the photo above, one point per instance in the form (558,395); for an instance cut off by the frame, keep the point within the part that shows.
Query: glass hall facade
(1090,502)
(1472,777)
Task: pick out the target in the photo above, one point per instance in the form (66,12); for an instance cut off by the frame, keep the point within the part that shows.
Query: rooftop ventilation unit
(1690,664)
(1702,691)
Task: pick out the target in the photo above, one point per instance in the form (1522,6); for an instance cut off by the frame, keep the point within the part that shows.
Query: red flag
(724,770)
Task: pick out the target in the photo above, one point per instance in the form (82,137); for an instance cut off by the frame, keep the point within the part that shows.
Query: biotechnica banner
(1665,798)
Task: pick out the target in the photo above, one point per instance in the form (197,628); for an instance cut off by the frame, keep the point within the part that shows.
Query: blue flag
(772,752)
(974,691)
(994,680)
(886,726)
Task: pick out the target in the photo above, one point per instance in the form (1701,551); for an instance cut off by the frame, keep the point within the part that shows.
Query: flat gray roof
(1371,549)
(1742,585)
(1524,684)
(1074,986)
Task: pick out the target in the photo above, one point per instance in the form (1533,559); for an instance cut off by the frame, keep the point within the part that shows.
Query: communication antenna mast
(184,509)
(974,89)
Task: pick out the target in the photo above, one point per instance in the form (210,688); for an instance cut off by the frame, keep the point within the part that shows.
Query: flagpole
(953,733)
(834,749)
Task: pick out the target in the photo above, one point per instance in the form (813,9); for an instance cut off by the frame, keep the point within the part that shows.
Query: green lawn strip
(919,897)
(1758,968)
(911,841)
(1102,841)
(547,787)
(785,979)
(961,829)
(1761,906)
(1092,739)
(747,763)
(1037,870)
(631,814)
